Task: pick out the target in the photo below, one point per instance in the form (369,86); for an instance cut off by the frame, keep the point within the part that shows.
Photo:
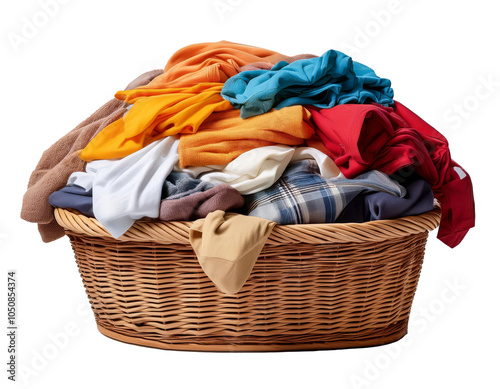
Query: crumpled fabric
(364,137)
(274,59)
(188,198)
(258,169)
(73,197)
(303,196)
(331,79)
(155,114)
(224,136)
(210,62)
(61,159)
(227,247)
(128,189)
(383,206)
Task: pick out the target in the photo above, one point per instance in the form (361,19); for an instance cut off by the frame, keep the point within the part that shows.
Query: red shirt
(361,137)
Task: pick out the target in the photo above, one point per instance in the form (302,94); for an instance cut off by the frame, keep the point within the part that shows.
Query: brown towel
(227,247)
(61,159)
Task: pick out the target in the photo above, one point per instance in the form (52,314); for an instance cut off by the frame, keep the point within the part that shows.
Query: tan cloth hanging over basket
(314,286)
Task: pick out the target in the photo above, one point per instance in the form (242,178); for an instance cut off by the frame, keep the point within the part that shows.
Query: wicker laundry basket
(315,286)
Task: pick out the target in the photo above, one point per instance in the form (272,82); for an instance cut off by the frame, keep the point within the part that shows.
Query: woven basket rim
(178,231)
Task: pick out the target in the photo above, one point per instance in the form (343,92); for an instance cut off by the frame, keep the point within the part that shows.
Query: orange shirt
(208,62)
(223,136)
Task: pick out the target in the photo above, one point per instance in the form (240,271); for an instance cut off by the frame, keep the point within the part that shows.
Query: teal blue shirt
(332,79)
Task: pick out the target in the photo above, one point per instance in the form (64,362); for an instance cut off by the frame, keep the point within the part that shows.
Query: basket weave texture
(314,286)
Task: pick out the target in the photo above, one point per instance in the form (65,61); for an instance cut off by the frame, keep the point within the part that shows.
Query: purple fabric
(198,205)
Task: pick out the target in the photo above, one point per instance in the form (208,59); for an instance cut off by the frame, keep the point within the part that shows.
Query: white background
(439,56)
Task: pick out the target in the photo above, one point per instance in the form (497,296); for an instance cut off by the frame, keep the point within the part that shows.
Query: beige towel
(227,246)
(61,159)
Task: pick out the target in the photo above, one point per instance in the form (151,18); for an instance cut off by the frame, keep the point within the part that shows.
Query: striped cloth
(303,196)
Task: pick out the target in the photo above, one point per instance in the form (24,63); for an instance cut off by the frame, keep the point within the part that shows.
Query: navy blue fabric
(379,205)
(74,197)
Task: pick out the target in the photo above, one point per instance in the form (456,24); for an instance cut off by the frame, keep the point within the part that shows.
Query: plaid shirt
(303,196)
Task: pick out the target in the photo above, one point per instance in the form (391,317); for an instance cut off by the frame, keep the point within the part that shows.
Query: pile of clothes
(230,127)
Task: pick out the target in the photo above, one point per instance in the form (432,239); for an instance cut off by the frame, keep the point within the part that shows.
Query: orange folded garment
(208,62)
(155,114)
(223,136)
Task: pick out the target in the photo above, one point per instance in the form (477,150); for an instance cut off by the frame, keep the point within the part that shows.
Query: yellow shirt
(155,114)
